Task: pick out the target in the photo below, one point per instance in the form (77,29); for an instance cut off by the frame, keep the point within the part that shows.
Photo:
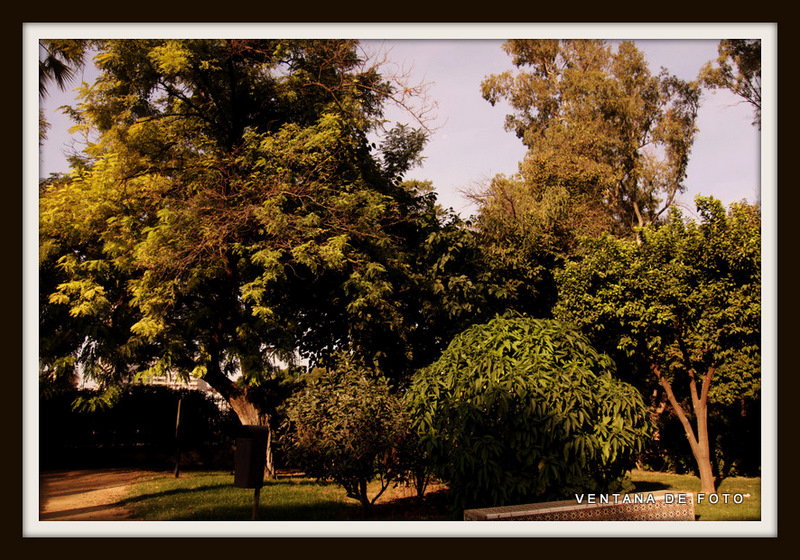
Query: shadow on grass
(311,512)
(650,486)
(224,502)
(143,498)
(282,500)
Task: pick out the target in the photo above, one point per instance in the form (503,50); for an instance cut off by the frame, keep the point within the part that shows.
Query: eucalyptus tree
(737,69)
(608,141)
(229,208)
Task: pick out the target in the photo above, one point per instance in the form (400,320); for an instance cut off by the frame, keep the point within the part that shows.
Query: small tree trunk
(269,466)
(707,480)
(363,497)
(700,443)
(702,449)
(421,482)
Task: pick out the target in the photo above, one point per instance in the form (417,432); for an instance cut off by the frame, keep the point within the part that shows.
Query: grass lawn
(211,496)
(745,490)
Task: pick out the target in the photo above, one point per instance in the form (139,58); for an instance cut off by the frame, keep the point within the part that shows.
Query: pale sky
(469,144)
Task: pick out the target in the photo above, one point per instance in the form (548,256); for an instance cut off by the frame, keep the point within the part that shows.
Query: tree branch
(676,406)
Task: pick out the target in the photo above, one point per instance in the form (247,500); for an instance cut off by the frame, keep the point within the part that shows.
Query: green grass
(211,496)
(746,490)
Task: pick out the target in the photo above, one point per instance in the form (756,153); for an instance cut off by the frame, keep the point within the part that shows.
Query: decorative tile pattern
(655,506)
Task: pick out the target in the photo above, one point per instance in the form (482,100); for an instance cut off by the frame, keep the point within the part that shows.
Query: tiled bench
(647,506)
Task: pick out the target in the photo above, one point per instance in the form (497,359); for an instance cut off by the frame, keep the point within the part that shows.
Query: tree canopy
(608,142)
(682,305)
(230,209)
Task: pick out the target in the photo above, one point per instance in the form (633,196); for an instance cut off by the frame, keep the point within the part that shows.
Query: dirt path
(85,495)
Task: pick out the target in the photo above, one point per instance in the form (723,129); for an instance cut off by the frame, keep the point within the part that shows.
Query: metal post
(178,441)
(256,495)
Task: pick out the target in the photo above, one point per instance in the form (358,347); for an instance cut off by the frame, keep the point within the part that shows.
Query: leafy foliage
(225,182)
(59,59)
(737,69)
(524,409)
(232,210)
(608,142)
(684,306)
(608,145)
(687,298)
(344,425)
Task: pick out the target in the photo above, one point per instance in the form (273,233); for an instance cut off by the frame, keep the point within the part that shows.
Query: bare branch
(408,97)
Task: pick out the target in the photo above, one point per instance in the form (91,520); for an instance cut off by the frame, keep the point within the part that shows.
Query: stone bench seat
(647,506)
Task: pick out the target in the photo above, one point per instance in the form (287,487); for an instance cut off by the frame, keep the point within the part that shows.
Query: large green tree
(229,209)
(608,141)
(681,309)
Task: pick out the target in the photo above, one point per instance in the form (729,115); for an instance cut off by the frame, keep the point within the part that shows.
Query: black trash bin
(250,456)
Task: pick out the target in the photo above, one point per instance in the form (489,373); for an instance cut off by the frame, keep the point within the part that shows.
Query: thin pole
(256,495)
(178,441)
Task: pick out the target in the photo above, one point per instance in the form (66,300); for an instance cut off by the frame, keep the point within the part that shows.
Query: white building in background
(173,382)
(192,383)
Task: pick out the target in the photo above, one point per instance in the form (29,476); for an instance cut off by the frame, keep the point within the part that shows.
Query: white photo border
(767,527)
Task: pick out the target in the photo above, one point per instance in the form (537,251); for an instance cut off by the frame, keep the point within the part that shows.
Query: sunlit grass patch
(210,496)
(736,499)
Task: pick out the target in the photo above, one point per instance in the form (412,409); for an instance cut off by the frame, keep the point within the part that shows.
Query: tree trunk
(701,449)
(249,415)
(247,412)
(363,497)
(421,482)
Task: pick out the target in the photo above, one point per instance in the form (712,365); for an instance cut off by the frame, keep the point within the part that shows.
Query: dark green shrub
(344,425)
(520,409)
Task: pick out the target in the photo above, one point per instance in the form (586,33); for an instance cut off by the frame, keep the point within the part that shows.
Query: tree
(58,61)
(525,239)
(685,305)
(608,142)
(345,425)
(738,69)
(524,409)
(448,284)
(231,188)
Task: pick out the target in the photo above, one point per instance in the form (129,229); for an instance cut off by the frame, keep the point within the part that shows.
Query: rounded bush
(520,409)
(343,425)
